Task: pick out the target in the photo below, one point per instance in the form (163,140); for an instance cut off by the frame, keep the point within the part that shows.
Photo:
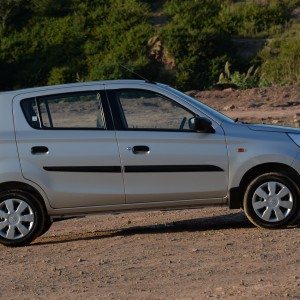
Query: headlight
(295,138)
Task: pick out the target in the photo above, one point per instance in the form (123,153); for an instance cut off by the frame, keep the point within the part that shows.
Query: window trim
(105,106)
(119,117)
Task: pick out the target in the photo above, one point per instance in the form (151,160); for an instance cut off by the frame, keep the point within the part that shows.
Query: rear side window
(65,111)
(30,110)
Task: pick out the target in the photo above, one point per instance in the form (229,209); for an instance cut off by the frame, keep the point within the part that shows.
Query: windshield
(200,105)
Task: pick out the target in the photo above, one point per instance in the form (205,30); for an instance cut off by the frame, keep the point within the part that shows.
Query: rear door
(163,159)
(67,145)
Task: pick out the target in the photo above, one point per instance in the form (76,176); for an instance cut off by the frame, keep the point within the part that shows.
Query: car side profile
(125,145)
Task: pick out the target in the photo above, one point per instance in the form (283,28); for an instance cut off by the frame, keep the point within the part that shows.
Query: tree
(7,8)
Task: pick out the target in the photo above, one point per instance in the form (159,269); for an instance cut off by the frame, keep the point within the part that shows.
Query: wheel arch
(17,185)
(235,200)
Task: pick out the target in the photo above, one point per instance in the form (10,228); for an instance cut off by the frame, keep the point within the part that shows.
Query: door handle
(140,149)
(39,150)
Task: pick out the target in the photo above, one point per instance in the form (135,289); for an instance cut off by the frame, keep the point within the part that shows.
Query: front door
(68,147)
(163,159)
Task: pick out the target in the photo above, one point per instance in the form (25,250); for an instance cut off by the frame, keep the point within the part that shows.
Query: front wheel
(21,218)
(272,200)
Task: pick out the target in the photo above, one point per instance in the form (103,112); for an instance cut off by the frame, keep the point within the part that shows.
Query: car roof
(69,85)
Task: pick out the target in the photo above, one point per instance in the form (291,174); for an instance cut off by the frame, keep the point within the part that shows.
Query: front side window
(148,110)
(66,111)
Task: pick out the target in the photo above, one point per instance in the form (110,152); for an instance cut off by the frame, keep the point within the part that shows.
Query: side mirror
(201,125)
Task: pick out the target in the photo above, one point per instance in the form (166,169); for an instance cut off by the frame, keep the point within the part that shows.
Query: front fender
(249,148)
(238,171)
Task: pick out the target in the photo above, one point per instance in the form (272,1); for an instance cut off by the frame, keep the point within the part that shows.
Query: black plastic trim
(137,169)
(116,111)
(172,168)
(235,200)
(83,169)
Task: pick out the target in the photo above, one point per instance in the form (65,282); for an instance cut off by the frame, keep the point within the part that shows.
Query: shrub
(247,80)
(55,41)
(198,45)
(255,19)
(33,52)
(281,58)
(64,40)
(118,38)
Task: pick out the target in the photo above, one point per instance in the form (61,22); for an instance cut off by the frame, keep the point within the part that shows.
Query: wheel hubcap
(16,219)
(272,201)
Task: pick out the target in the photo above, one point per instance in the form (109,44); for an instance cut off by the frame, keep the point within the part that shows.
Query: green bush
(246,80)
(33,52)
(64,40)
(13,14)
(198,45)
(118,38)
(255,19)
(54,41)
(281,58)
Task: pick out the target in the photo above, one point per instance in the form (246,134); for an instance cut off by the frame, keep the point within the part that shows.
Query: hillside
(183,43)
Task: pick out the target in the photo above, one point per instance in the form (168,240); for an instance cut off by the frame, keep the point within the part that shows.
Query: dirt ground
(188,254)
(275,105)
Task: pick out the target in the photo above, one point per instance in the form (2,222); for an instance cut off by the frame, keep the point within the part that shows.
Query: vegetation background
(184,43)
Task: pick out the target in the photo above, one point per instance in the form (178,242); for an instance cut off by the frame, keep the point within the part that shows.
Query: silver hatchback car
(115,146)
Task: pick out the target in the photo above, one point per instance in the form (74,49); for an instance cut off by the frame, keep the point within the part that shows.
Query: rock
(103,262)
(255,104)
(229,107)
(224,86)
(297,120)
(286,105)
(195,250)
(292,103)
(80,260)
(230,89)
(275,121)
(192,93)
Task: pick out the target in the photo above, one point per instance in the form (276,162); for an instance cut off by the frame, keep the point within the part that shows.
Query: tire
(271,200)
(47,225)
(22,218)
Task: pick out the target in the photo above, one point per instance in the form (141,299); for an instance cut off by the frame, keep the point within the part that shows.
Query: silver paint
(68,194)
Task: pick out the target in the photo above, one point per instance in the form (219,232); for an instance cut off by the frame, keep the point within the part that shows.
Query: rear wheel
(21,218)
(47,225)
(272,200)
